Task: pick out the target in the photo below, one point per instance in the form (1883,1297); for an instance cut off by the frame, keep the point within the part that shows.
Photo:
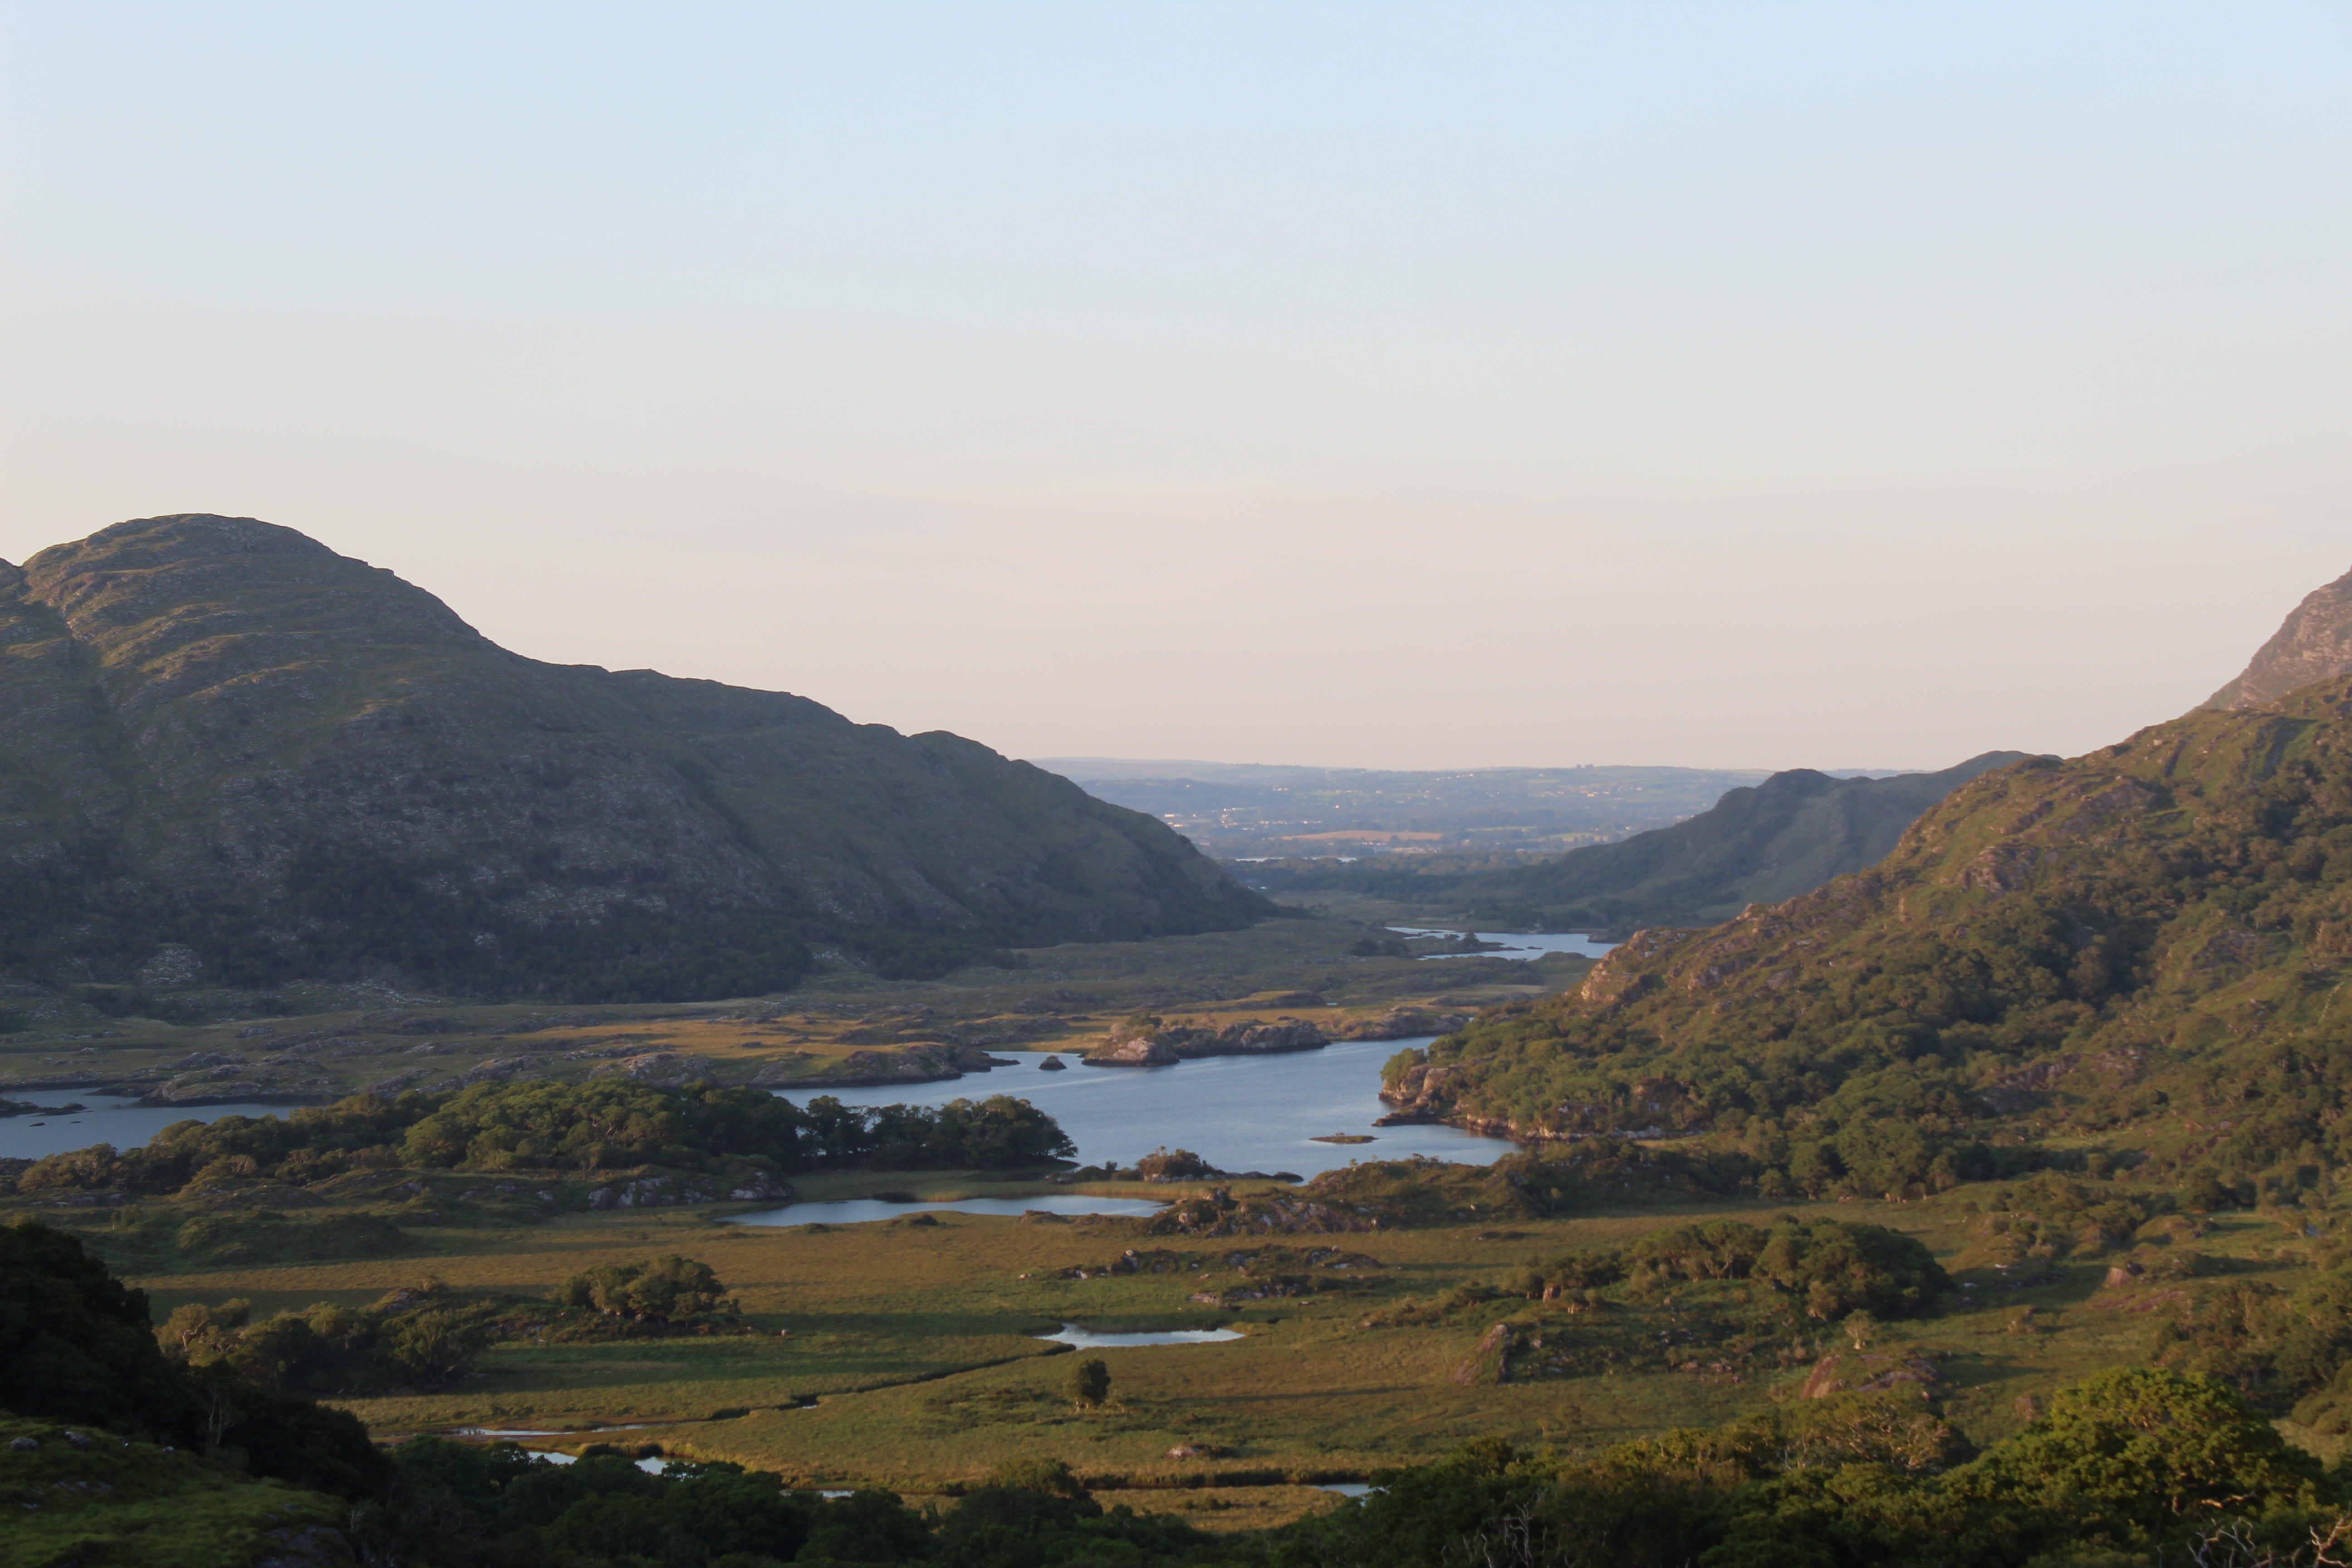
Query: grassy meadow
(902,1353)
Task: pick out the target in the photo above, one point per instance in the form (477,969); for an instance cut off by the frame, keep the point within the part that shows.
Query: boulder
(655,1192)
(1858,1373)
(668,1069)
(1053,1064)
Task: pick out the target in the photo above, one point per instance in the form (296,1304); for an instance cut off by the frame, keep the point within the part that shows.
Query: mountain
(1760,844)
(229,754)
(2136,955)
(2313,643)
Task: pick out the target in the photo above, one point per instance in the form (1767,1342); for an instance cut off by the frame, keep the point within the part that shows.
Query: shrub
(1089,1382)
(671,1289)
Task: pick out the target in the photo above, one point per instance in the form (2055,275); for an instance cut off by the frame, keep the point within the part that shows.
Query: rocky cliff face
(2314,644)
(229,754)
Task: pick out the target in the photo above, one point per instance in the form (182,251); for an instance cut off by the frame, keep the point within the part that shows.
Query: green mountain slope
(1758,844)
(227,752)
(2143,947)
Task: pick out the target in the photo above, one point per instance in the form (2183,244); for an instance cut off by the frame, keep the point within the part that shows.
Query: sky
(1423,386)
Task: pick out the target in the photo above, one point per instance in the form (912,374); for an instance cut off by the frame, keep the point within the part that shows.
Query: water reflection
(109,1118)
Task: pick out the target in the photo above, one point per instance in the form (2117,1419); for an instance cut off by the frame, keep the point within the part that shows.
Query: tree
(1089,1382)
(2147,1450)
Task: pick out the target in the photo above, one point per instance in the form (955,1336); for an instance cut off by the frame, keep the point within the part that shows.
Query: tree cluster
(600,1125)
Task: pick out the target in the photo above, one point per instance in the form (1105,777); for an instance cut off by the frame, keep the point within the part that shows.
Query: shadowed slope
(217,732)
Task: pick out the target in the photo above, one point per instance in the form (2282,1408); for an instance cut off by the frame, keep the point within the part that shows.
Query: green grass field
(901,1353)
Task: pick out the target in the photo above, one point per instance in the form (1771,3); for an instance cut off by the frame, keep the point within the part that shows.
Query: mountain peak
(2313,643)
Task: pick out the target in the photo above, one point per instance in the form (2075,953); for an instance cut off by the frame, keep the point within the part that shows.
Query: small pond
(1523,945)
(1086,1339)
(858,1211)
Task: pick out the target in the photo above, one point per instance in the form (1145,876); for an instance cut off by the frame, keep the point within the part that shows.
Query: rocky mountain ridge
(2313,643)
(230,755)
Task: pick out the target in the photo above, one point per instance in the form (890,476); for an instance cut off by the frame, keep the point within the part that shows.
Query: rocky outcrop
(1490,1363)
(228,1080)
(1219,1212)
(668,1192)
(293,764)
(1149,1042)
(2313,643)
(1861,1371)
(1401,1023)
(664,1070)
(1134,1051)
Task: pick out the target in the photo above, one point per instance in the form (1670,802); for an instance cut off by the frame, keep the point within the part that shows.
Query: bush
(670,1290)
(1088,1382)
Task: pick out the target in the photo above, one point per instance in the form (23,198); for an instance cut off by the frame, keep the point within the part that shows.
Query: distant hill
(2314,644)
(1758,844)
(1270,811)
(228,753)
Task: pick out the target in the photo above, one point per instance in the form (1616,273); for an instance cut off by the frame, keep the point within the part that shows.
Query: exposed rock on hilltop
(1760,844)
(229,753)
(2313,643)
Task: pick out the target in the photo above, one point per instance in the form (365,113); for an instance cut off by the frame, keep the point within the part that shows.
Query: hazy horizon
(1391,386)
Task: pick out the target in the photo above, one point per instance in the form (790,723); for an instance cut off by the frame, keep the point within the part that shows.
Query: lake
(110,1119)
(1239,1113)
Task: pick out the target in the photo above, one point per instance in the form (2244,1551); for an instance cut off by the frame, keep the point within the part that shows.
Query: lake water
(1086,1339)
(110,1119)
(1239,1113)
(857,1211)
(1516,945)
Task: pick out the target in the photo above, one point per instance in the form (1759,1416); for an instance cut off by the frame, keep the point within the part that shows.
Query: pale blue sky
(1403,385)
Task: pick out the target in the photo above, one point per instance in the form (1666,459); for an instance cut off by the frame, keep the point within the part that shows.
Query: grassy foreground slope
(2140,950)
